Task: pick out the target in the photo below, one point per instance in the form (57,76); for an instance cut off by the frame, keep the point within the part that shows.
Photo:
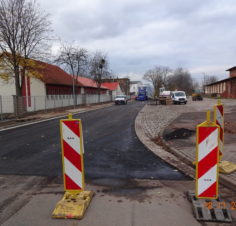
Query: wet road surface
(112,149)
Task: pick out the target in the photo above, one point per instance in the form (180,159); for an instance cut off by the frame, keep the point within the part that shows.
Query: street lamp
(101,65)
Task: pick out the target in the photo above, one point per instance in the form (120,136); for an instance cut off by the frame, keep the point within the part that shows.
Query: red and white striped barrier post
(75,200)
(219,120)
(72,154)
(207,158)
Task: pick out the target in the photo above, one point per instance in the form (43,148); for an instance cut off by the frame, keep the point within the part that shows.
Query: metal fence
(37,103)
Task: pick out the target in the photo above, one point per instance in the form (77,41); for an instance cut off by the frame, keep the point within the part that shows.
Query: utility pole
(101,65)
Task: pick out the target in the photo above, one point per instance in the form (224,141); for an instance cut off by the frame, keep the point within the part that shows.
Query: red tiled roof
(87,82)
(111,85)
(52,74)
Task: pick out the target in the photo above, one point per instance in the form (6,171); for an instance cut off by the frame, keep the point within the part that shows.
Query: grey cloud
(138,34)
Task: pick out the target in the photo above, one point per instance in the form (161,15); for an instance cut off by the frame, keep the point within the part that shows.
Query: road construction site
(136,179)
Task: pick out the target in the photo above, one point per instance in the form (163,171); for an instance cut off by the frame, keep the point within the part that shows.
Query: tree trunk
(19,103)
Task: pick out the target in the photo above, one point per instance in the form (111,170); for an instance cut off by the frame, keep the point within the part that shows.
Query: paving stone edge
(168,152)
(168,157)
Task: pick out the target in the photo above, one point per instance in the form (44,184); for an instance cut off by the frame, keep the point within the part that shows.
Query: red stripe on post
(207,163)
(221,109)
(70,184)
(204,132)
(221,133)
(72,156)
(209,192)
(74,126)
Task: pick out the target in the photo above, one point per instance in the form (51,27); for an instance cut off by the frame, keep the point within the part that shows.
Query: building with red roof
(225,88)
(114,88)
(53,81)
(46,86)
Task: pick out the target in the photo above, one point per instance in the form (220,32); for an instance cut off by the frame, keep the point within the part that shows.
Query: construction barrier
(219,120)
(72,155)
(207,158)
(224,166)
(75,200)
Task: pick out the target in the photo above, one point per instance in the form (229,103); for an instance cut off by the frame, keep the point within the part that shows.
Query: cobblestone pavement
(153,119)
(149,123)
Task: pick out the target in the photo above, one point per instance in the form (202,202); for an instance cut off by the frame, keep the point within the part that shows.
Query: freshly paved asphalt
(112,149)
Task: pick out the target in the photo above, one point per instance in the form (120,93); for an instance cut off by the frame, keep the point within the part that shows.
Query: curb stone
(26,121)
(222,180)
(170,154)
(158,150)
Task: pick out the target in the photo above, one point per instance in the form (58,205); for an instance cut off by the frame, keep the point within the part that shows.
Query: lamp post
(101,65)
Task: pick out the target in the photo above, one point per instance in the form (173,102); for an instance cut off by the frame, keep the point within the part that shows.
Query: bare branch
(24,29)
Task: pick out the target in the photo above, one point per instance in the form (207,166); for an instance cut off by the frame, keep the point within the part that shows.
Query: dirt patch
(157,140)
(180,133)
(230,127)
(130,189)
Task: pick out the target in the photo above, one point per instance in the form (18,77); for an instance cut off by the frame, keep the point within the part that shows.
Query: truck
(197,95)
(175,97)
(179,97)
(142,94)
(165,97)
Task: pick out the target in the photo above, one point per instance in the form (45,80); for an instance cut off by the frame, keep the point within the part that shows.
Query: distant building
(225,88)
(123,82)
(53,81)
(113,87)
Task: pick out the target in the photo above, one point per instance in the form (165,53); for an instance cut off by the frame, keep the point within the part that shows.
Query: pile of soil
(180,133)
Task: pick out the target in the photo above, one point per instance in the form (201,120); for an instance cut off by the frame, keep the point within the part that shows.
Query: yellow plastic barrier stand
(73,206)
(227,167)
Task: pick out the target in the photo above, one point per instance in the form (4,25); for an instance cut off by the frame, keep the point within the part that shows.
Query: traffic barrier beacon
(224,166)
(219,120)
(207,158)
(75,200)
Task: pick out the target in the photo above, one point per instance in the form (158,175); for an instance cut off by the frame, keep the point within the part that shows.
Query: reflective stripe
(207,145)
(207,180)
(71,138)
(219,118)
(72,172)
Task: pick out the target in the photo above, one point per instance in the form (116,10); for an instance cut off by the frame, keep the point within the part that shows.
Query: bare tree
(75,61)
(181,80)
(99,69)
(208,79)
(196,85)
(24,30)
(158,77)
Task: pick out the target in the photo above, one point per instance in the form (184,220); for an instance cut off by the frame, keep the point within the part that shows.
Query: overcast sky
(199,35)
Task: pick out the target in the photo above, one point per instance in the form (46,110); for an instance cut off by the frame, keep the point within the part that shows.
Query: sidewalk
(40,116)
(174,141)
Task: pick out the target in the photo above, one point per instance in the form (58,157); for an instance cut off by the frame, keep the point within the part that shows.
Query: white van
(179,97)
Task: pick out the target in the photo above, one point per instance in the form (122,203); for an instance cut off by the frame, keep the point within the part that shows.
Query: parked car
(121,99)
(179,97)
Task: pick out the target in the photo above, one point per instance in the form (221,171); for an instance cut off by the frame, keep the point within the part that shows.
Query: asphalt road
(112,149)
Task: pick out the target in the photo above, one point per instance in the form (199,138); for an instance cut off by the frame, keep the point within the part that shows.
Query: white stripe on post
(206,180)
(70,138)
(207,145)
(72,172)
(219,118)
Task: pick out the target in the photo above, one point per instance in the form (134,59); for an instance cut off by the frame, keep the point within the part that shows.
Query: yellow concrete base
(73,205)
(227,167)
